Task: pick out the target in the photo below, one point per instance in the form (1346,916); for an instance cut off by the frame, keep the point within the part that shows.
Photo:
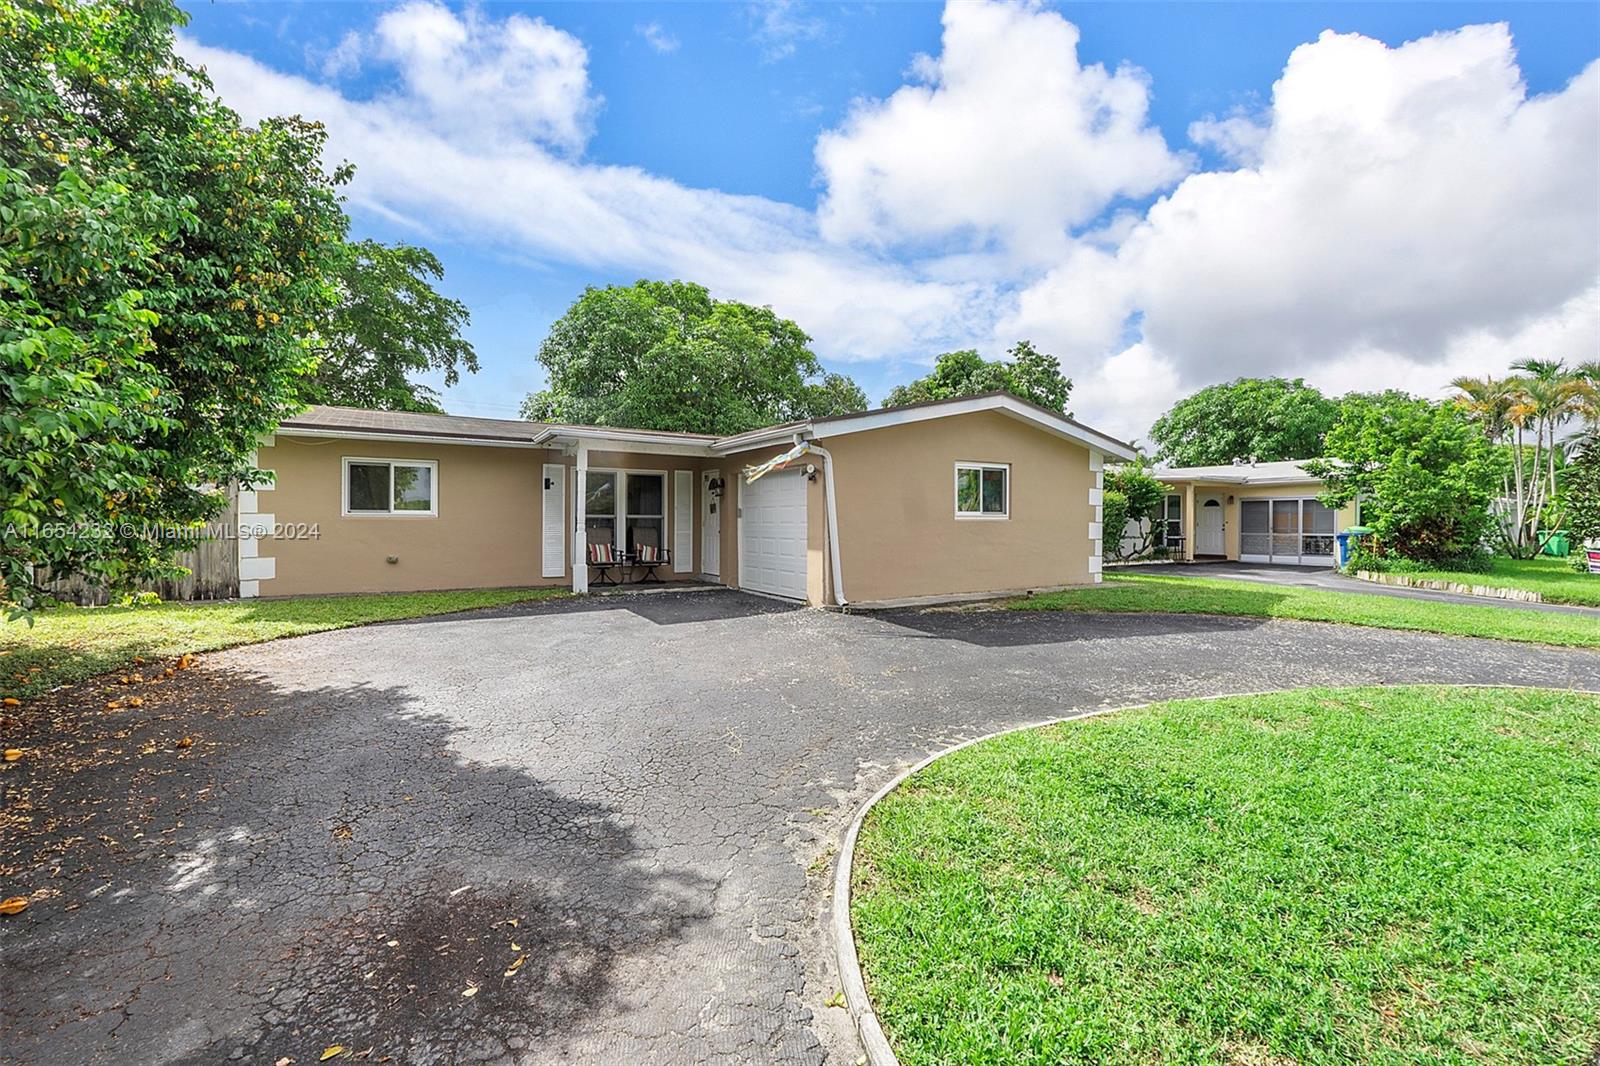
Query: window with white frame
(983,490)
(1172,518)
(646,515)
(391,486)
(600,508)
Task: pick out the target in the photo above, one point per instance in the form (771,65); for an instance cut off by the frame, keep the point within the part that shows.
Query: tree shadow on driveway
(232,871)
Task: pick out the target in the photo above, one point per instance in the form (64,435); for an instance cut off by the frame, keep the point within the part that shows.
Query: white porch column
(580,537)
(1189,524)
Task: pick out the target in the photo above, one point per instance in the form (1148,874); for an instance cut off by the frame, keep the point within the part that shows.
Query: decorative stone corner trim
(1488,592)
(251,525)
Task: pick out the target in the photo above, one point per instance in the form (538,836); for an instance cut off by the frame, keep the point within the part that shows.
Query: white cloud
(1239,138)
(343,58)
(658,37)
(1004,137)
(517,77)
(1413,216)
(514,195)
(780,27)
(1405,197)
(1397,216)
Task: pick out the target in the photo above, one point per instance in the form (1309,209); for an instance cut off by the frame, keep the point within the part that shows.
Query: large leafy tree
(665,355)
(1423,472)
(1026,373)
(162,267)
(390,324)
(1265,419)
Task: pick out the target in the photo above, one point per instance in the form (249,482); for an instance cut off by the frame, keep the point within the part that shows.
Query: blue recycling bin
(1343,540)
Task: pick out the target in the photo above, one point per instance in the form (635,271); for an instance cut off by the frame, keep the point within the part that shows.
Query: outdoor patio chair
(648,557)
(604,558)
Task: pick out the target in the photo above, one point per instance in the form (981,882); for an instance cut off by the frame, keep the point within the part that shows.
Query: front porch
(1213,521)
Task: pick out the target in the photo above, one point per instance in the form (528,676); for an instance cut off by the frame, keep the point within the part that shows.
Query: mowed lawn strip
(1326,876)
(1205,595)
(67,644)
(1552,579)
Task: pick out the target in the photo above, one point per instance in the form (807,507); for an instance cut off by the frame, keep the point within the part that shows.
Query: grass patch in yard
(68,644)
(1551,578)
(1396,875)
(1205,595)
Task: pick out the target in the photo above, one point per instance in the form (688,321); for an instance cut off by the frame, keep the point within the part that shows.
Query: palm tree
(1550,395)
(1496,404)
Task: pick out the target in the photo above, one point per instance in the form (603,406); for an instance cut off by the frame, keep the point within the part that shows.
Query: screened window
(647,495)
(1297,530)
(982,491)
(390,486)
(600,508)
(1172,520)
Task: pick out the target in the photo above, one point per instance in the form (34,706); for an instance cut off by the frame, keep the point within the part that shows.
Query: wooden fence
(213,565)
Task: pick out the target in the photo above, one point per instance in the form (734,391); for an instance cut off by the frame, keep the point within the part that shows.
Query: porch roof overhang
(597,439)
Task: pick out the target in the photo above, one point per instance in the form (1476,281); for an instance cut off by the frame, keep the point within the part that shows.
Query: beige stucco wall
(487,533)
(1345,516)
(899,536)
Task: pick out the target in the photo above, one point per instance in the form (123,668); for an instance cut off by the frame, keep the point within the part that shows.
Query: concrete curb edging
(873,1040)
(1458,588)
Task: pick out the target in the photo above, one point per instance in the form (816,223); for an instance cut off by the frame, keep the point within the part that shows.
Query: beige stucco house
(1250,512)
(983,494)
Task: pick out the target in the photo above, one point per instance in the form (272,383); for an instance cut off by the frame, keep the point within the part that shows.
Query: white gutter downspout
(833,521)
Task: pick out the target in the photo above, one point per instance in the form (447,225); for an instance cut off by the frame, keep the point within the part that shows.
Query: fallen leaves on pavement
(14,905)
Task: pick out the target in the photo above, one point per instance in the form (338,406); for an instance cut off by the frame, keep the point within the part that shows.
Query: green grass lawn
(1550,578)
(68,644)
(1400,875)
(1203,595)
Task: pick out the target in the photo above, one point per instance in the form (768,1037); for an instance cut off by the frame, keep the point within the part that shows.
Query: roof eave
(404,436)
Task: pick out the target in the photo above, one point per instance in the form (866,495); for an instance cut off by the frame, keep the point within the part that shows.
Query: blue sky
(918,189)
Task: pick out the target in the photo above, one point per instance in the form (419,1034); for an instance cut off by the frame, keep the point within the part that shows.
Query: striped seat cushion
(602,554)
(647,553)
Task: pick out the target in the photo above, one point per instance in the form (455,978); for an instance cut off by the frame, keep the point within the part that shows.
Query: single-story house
(983,494)
(1250,512)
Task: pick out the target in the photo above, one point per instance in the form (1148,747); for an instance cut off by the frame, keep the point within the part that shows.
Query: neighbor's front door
(1208,531)
(710,526)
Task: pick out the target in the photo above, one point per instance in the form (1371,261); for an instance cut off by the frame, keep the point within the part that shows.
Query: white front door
(1208,529)
(772,535)
(710,526)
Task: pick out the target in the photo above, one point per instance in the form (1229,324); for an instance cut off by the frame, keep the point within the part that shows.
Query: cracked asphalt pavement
(638,797)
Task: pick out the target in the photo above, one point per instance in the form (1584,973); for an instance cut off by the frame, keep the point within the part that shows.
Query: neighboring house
(1251,512)
(983,494)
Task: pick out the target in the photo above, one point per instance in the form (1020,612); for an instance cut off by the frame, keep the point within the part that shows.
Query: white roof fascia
(405,438)
(899,416)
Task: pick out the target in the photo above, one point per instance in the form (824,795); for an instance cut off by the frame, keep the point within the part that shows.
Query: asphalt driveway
(352,838)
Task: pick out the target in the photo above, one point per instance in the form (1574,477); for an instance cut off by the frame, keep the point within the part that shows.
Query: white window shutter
(682,521)
(555,520)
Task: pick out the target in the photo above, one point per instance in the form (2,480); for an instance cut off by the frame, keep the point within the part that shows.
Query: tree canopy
(389,324)
(163,267)
(1265,419)
(665,355)
(1028,374)
(1423,471)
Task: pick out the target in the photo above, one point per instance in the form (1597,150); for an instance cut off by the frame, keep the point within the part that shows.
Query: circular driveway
(637,797)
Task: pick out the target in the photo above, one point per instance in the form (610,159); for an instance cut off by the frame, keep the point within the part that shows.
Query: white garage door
(772,535)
